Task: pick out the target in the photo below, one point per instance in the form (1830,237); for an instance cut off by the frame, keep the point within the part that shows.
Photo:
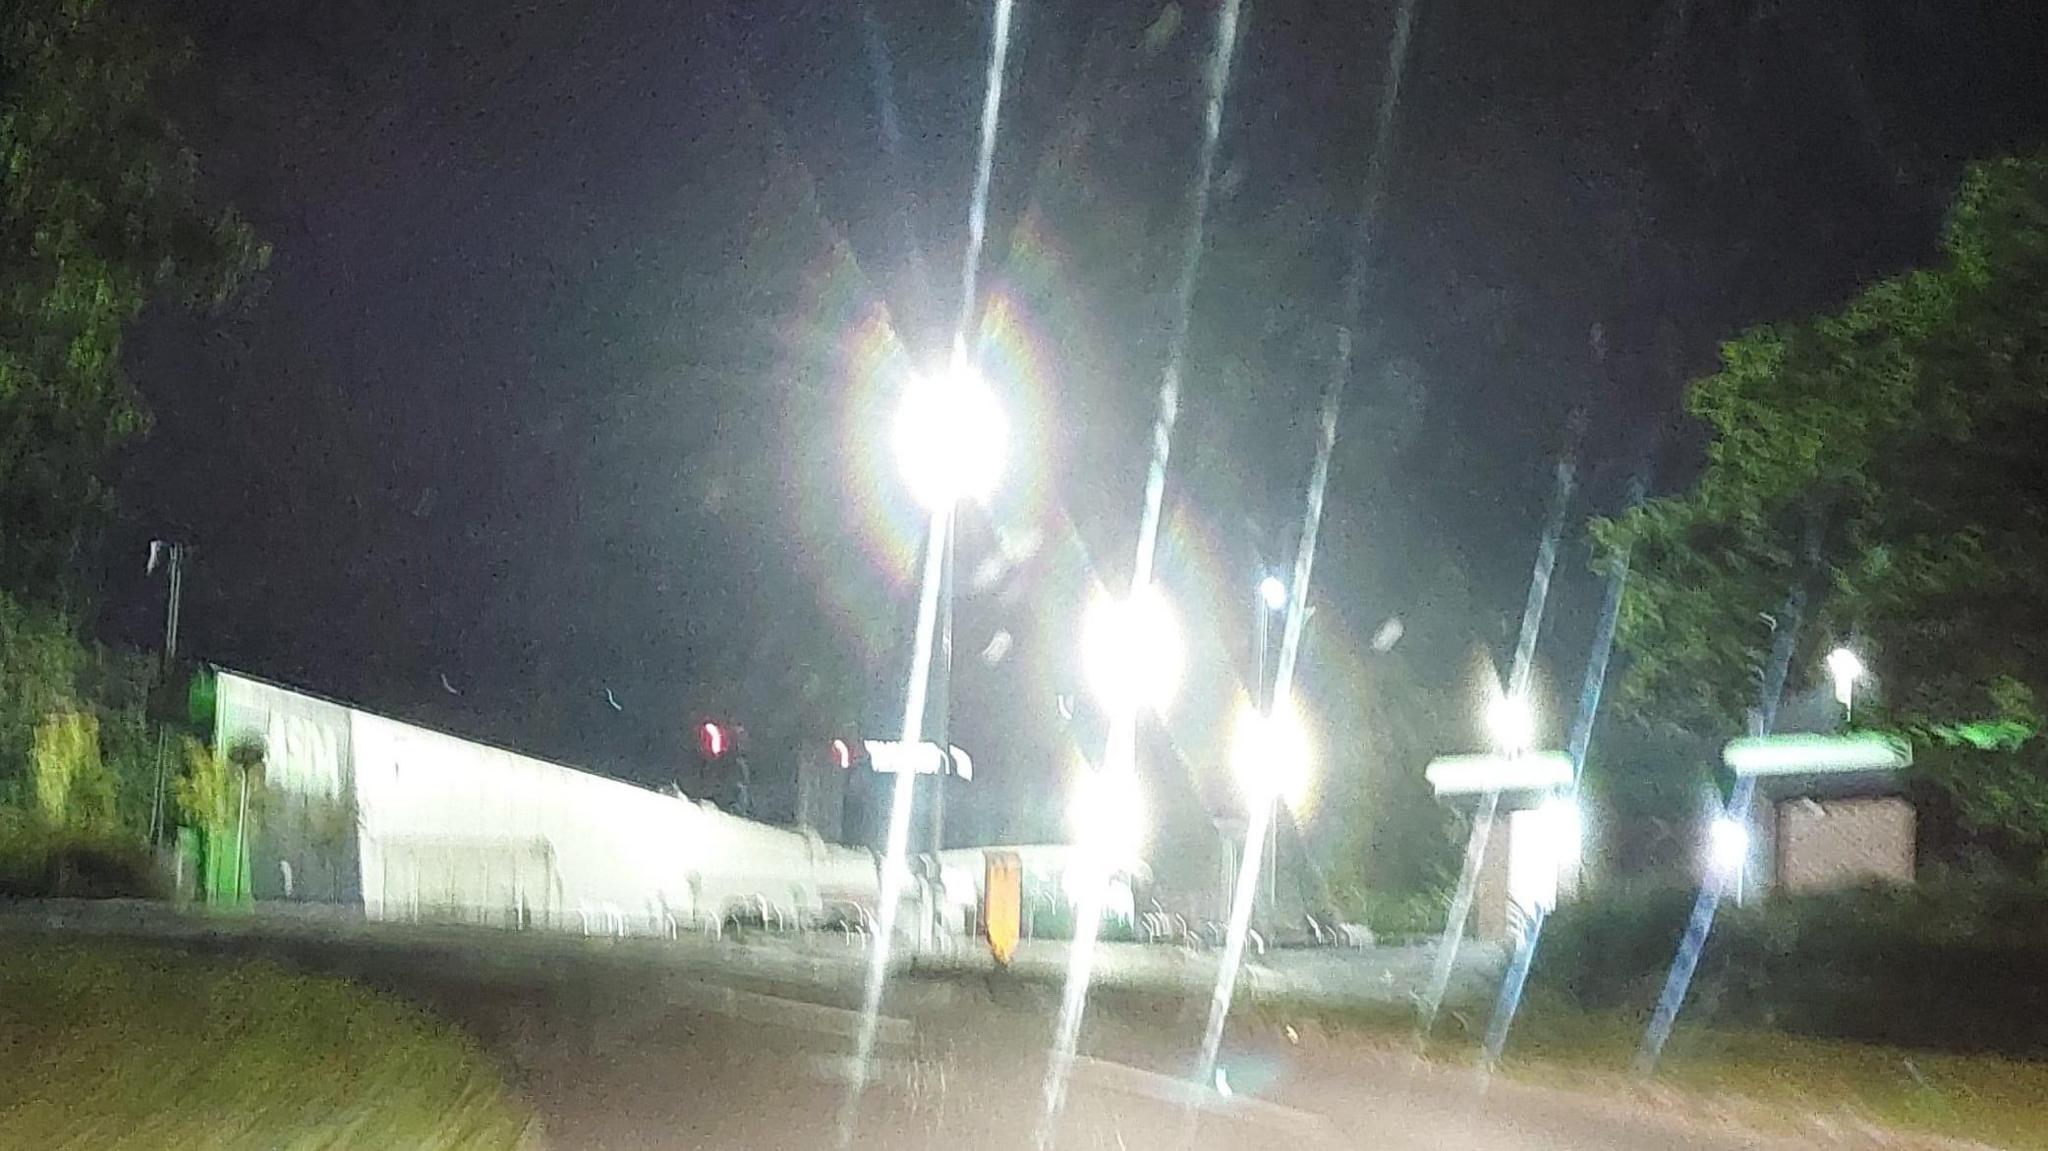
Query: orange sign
(1002,903)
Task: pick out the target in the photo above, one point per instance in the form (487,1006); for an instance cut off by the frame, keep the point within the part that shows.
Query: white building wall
(450,829)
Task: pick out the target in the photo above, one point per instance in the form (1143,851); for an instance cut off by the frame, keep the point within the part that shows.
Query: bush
(37,862)
(1952,964)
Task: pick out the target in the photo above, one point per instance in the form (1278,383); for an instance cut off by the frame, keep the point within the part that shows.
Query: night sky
(564,375)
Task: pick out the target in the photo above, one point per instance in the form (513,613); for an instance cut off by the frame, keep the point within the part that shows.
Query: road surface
(644,1046)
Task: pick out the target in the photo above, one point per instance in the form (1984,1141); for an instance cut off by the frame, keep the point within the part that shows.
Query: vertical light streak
(1518,689)
(1119,752)
(1678,981)
(894,862)
(1282,700)
(1509,1001)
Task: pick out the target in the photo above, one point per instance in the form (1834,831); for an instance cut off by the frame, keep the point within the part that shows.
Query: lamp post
(949,440)
(1845,667)
(1271,600)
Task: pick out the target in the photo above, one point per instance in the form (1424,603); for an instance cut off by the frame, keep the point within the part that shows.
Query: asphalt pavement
(652,1046)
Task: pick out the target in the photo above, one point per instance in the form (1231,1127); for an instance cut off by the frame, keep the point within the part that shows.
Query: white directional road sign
(896,757)
(1816,754)
(1474,774)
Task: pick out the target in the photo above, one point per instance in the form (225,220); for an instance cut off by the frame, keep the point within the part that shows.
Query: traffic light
(713,740)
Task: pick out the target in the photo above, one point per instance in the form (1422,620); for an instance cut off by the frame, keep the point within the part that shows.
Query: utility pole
(172,555)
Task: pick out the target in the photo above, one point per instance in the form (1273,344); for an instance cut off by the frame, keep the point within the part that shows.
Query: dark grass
(117,1046)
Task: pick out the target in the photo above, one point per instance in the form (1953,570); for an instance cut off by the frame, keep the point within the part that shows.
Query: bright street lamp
(1106,813)
(1131,650)
(1727,846)
(1273,593)
(1270,756)
(1510,723)
(1845,667)
(950,437)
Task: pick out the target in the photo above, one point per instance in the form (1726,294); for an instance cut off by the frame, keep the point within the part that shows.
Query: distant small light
(1845,667)
(1273,593)
(711,738)
(842,755)
(1728,845)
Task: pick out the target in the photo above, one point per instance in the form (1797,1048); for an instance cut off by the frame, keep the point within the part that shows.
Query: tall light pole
(1270,601)
(950,437)
(170,554)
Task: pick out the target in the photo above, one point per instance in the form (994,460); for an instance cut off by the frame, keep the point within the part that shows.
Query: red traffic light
(713,740)
(842,755)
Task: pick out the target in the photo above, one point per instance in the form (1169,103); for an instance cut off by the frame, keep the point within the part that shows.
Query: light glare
(1270,756)
(1511,723)
(1845,667)
(1273,593)
(1106,814)
(1132,651)
(1727,845)
(950,437)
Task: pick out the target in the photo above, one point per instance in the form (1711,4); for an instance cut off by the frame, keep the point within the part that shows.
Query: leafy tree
(209,790)
(40,661)
(99,215)
(1886,456)
(73,790)
(75,741)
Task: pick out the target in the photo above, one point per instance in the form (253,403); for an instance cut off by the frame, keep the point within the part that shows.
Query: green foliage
(99,215)
(1885,454)
(72,789)
(143,1048)
(208,793)
(1950,963)
(41,661)
(75,740)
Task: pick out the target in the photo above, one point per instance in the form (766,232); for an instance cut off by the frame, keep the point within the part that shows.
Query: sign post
(1002,904)
(895,757)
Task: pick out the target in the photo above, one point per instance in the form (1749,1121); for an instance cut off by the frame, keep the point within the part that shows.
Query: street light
(950,437)
(1106,813)
(1727,846)
(1510,723)
(1270,756)
(1845,667)
(1273,593)
(1131,650)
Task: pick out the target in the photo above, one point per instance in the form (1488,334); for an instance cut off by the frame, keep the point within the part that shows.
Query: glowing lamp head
(1106,813)
(1510,723)
(1270,756)
(1727,845)
(1132,652)
(1272,593)
(950,437)
(1845,667)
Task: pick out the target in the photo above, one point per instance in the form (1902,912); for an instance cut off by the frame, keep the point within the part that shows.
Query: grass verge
(1764,1079)
(120,1046)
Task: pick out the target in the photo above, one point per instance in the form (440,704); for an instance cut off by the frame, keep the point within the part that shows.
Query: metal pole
(1263,702)
(170,658)
(942,692)
(242,839)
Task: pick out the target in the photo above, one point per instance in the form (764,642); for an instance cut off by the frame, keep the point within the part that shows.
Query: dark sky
(548,390)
